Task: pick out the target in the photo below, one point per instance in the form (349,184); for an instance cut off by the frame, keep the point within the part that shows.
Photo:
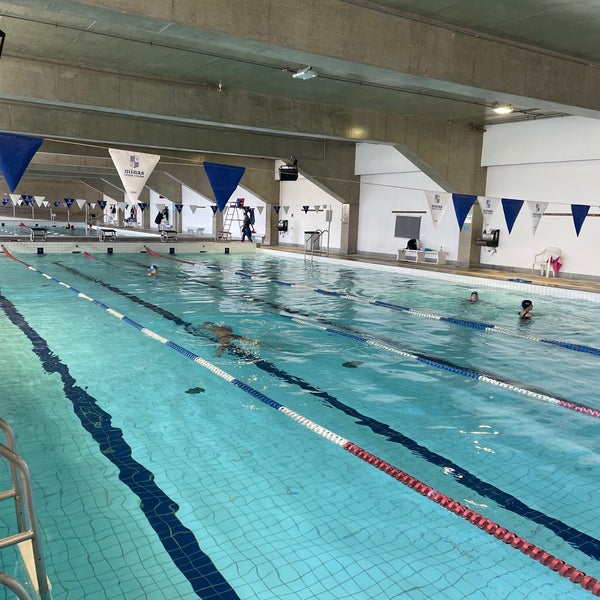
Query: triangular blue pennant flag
(277,209)
(214,208)
(5,201)
(305,209)
(16,152)
(511,210)
(143,206)
(462,206)
(178,207)
(224,180)
(57,203)
(69,202)
(102,204)
(579,212)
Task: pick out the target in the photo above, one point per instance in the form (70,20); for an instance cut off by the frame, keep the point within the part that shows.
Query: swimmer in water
(474,297)
(526,307)
(224,336)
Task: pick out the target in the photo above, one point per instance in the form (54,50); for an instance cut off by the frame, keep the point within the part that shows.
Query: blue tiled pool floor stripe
(160,510)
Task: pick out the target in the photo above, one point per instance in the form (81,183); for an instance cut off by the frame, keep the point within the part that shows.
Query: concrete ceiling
(220,70)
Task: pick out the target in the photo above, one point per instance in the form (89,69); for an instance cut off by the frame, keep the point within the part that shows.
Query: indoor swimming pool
(261,427)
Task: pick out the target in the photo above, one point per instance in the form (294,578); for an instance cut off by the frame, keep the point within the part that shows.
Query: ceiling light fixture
(501,108)
(306,73)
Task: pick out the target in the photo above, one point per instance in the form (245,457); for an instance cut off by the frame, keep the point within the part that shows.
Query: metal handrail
(25,512)
(314,239)
(14,586)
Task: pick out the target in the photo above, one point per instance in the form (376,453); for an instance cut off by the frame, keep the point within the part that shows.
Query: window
(408,227)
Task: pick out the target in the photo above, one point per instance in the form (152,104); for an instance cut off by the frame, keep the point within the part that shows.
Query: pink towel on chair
(556,264)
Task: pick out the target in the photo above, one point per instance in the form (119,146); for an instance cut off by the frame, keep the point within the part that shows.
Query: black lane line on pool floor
(577,539)
(160,510)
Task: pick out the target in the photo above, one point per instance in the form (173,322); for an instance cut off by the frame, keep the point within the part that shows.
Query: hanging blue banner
(277,209)
(143,206)
(178,207)
(215,208)
(305,209)
(16,152)
(511,210)
(579,212)
(56,203)
(462,205)
(69,202)
(102,204)
(5,201)
(224,180)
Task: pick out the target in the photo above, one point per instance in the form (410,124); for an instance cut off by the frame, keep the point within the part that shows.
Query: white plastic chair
(542,261)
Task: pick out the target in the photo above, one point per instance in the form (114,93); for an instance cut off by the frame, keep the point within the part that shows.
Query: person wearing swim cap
(526,307)
(152,271)
(474,297)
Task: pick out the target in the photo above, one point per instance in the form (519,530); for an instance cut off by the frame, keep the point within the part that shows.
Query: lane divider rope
(554,563)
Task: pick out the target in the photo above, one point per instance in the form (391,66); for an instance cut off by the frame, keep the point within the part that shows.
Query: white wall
(392,186)
(294,195)
(555,161)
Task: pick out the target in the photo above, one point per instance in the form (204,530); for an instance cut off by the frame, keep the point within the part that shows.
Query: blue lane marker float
(508,537)
(485,327)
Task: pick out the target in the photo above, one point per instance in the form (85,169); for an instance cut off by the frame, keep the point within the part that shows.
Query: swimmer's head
(526,304)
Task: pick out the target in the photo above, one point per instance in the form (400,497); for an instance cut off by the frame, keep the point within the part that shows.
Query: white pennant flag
(438,202)
(193,208)
(80,202)
(260,209)
(134,168)
(122,206)
(536,210)
(488,209)
(286,209)
(39,200)
(15,198)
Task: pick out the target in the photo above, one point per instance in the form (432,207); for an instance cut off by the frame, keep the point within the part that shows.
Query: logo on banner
(134,163)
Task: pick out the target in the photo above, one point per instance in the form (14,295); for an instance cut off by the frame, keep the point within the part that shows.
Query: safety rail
(26,522)
(313,243)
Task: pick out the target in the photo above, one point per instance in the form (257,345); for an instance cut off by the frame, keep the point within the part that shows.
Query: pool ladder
(313,243)
(28,536)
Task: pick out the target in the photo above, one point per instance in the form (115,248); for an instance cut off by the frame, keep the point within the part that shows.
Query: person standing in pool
(525,312)
(474,297)
(152,271)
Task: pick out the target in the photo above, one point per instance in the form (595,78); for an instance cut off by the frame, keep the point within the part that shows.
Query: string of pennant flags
(134,169)
(439,201)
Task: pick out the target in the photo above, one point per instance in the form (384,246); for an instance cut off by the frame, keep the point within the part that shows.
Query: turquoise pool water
(155,477)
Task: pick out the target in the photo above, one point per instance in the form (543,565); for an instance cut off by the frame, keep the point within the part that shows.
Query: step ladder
(27,537)
(234,215)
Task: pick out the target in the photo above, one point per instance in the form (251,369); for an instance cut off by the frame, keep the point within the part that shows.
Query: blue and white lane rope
(492,528)
(575,406)
(485,327)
